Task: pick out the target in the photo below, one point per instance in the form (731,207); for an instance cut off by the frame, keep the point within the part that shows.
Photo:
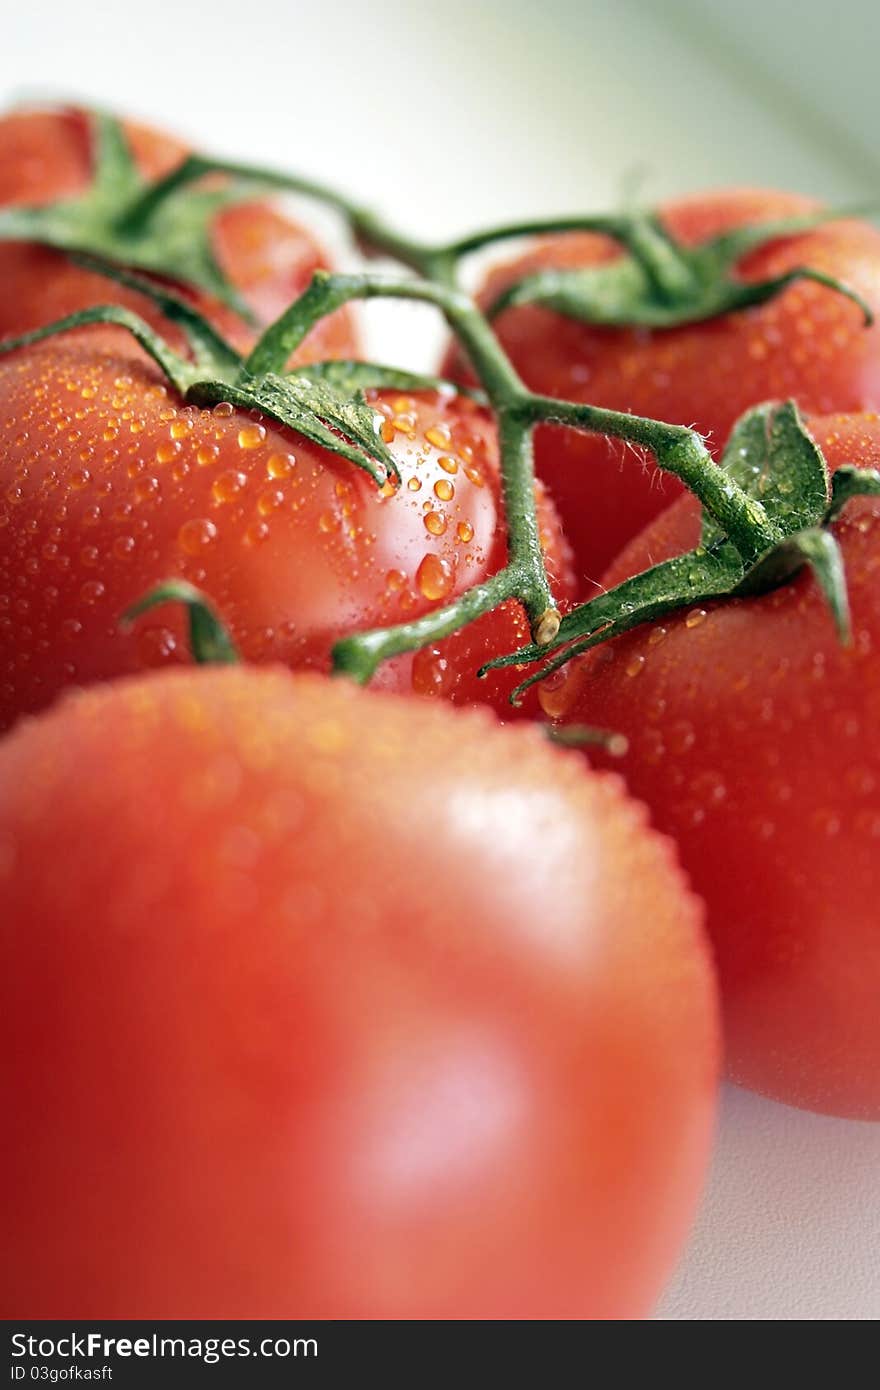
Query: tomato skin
(45,156)
(808,343)
(754,741)
(108,487)
(336,1005)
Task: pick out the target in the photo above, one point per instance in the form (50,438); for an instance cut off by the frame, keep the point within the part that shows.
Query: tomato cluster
(325,1002)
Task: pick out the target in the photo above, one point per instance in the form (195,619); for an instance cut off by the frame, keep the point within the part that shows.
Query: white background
(453,114)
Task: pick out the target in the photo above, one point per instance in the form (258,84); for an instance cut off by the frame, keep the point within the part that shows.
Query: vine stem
(677,449)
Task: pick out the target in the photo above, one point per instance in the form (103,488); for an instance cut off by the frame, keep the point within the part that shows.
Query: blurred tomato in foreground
(325,1004)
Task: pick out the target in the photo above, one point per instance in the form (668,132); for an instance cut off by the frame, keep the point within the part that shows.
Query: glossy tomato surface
(46,156)
(109,486)
(338,1005)
(755,740)
(809,343)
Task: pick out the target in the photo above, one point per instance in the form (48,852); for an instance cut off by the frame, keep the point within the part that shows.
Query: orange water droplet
(327,522)
(228,485)
(168,451)
(182,427)
(432,673)
(207,454)
(222,410)
(435,522)
(439,436)
(251,436)
(556,694)
(80,478)
(473,475)
(145,488)
(280,465)
(195,535)
(257,533)
(465,532)
(696,617)
(269,500)
(635,666)
(414,484)
(394,580)
(449,465)
(434,577)
(444,489)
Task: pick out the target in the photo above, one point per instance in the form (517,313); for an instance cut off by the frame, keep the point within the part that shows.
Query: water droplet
(251,436)
(414,484)
(195,535)
(434,577)
(395,580)
(168,451)
(207,454)
(80,478)
(444,489)
(439,436)
(280,465)
(123,546)
(222,410)
(449,465)
(635,665)
(269,500)
(91,591)
(431,673)
(465,532)
(257,533)
(182,427)
(228,485)
(696,617)
(556,694)
(146,488)
(435,522)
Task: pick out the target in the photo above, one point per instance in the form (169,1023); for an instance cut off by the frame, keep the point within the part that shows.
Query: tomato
(808,343)
(754,740)
(337,1005)
(45,156)
(108,486)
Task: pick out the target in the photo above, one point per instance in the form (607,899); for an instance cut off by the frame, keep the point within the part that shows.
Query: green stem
(360,655)
(680,451)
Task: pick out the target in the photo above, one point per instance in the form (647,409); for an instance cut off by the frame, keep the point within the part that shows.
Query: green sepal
(209,640)
(815,548)
(661,283)
(849,482)
(308,403)
(773,458)
(172,237)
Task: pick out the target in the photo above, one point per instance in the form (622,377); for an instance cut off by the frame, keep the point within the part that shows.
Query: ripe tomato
(45,156)
(754,740)
(809,343)
(335,1005)
(108,487)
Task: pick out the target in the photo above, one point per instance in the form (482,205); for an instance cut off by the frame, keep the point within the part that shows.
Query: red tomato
(338,1006)
(108,487)
(809,343)
(45,156)
(754,740)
